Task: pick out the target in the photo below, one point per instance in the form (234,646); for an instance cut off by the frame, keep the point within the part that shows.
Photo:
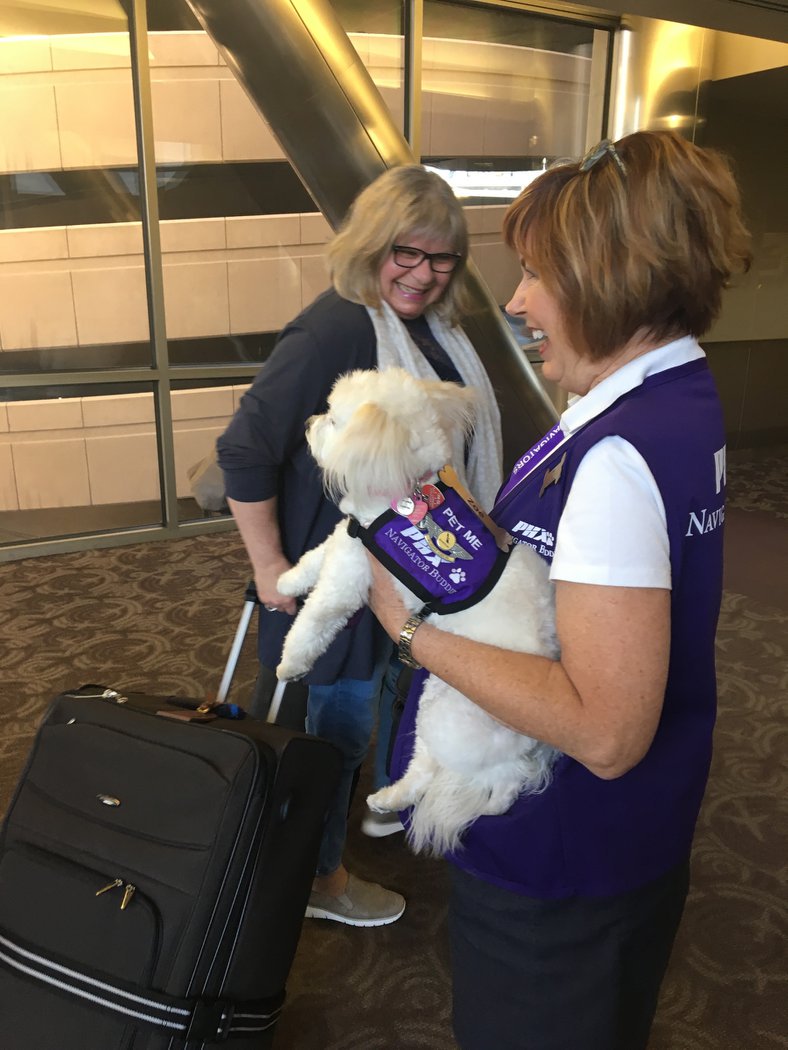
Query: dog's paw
(287,584)
(287,671)
(383,801)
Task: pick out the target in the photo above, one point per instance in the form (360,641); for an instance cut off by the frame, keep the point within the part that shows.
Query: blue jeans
(345,713)
(388,694)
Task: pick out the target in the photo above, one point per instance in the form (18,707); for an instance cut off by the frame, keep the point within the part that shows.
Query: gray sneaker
(378,825)
(362,904)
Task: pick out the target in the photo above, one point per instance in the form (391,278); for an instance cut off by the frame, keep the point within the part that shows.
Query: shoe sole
(322,913)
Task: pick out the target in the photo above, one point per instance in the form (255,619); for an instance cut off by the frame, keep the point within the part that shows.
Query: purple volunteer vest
(585,836)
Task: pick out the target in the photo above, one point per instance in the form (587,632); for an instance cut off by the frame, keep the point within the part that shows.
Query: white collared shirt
(613,530)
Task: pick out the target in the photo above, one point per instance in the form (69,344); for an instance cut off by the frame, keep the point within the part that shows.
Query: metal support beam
(414,31)
(302,73)
(154,277)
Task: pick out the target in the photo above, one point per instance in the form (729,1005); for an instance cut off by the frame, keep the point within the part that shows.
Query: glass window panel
(504,93)
(242,240)
(370,16)
(77,460)
(72,279)
(502,86)
(201,410)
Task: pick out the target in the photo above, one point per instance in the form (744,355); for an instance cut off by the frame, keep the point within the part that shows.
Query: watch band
(409,628)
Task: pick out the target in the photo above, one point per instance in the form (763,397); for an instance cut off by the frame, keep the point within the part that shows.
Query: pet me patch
(445,552)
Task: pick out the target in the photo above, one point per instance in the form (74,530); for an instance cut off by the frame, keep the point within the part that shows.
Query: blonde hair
(403,202)
(640,237)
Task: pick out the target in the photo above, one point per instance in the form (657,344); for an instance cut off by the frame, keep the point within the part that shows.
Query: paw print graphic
(457,576)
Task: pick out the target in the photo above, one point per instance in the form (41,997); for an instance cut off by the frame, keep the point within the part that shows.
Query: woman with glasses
(397,295)
(564,909)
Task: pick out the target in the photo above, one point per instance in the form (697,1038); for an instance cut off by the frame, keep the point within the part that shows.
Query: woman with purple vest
(564,909)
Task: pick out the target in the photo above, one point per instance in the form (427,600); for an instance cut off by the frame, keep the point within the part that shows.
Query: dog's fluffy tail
(452,803)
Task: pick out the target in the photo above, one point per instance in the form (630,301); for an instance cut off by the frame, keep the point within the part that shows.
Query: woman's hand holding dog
(265,583)
(259,527)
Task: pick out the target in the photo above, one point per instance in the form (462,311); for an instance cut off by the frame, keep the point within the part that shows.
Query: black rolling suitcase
(154,872)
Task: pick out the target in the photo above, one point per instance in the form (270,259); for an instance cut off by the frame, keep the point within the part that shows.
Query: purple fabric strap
(526,464)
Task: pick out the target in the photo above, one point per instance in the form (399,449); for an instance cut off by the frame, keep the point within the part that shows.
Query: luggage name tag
(190,710)
(200,711)
(187,716)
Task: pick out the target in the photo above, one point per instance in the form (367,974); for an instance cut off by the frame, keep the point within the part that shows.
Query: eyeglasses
(596,153)
(409,258)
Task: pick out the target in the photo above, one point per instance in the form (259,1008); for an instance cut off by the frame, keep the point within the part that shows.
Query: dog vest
(439,543)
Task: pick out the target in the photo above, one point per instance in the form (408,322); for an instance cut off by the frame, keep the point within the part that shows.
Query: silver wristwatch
(409,628)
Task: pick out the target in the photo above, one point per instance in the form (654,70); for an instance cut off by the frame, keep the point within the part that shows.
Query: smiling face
(563,364)
(409,292)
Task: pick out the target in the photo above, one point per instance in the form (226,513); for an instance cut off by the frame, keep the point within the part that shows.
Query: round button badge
(446,540)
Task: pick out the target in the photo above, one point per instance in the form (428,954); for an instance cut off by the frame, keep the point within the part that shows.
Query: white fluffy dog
(383,435)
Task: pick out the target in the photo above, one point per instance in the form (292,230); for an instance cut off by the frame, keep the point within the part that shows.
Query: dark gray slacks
(574,974)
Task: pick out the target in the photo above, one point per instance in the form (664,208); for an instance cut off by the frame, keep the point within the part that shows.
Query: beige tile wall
(85,285)
(67,101)
(28,117)
(85,451)
(102,449)
(96,119)
(8,496)
(496,99)
(36,308)
(50,470)
(82,286)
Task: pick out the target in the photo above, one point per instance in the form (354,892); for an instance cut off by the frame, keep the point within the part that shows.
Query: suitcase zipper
(129,889)
(97,692)
(110,886)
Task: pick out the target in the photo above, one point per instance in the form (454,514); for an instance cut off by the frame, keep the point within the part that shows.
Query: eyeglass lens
(440,262)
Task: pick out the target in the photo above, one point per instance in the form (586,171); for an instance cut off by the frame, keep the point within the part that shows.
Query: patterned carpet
(160,617)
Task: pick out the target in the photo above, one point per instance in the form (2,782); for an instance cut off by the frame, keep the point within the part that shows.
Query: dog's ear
(372,452)
(454,405)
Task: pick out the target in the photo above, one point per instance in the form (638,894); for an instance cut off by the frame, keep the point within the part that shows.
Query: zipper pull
(128,893)
(110,886)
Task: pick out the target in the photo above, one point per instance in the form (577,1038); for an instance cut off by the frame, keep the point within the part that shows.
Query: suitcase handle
(185,710)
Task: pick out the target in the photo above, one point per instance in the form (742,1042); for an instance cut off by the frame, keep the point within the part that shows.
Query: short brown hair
(644,241)
(402,202)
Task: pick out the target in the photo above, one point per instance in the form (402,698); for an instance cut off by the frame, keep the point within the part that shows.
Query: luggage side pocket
(79,913)
(55,919)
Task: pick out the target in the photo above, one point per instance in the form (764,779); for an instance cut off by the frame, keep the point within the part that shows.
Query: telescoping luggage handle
(251,600)
(219,707)
(207,710)
(198,1020)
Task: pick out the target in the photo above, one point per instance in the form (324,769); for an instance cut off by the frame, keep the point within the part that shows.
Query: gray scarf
(395,349)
